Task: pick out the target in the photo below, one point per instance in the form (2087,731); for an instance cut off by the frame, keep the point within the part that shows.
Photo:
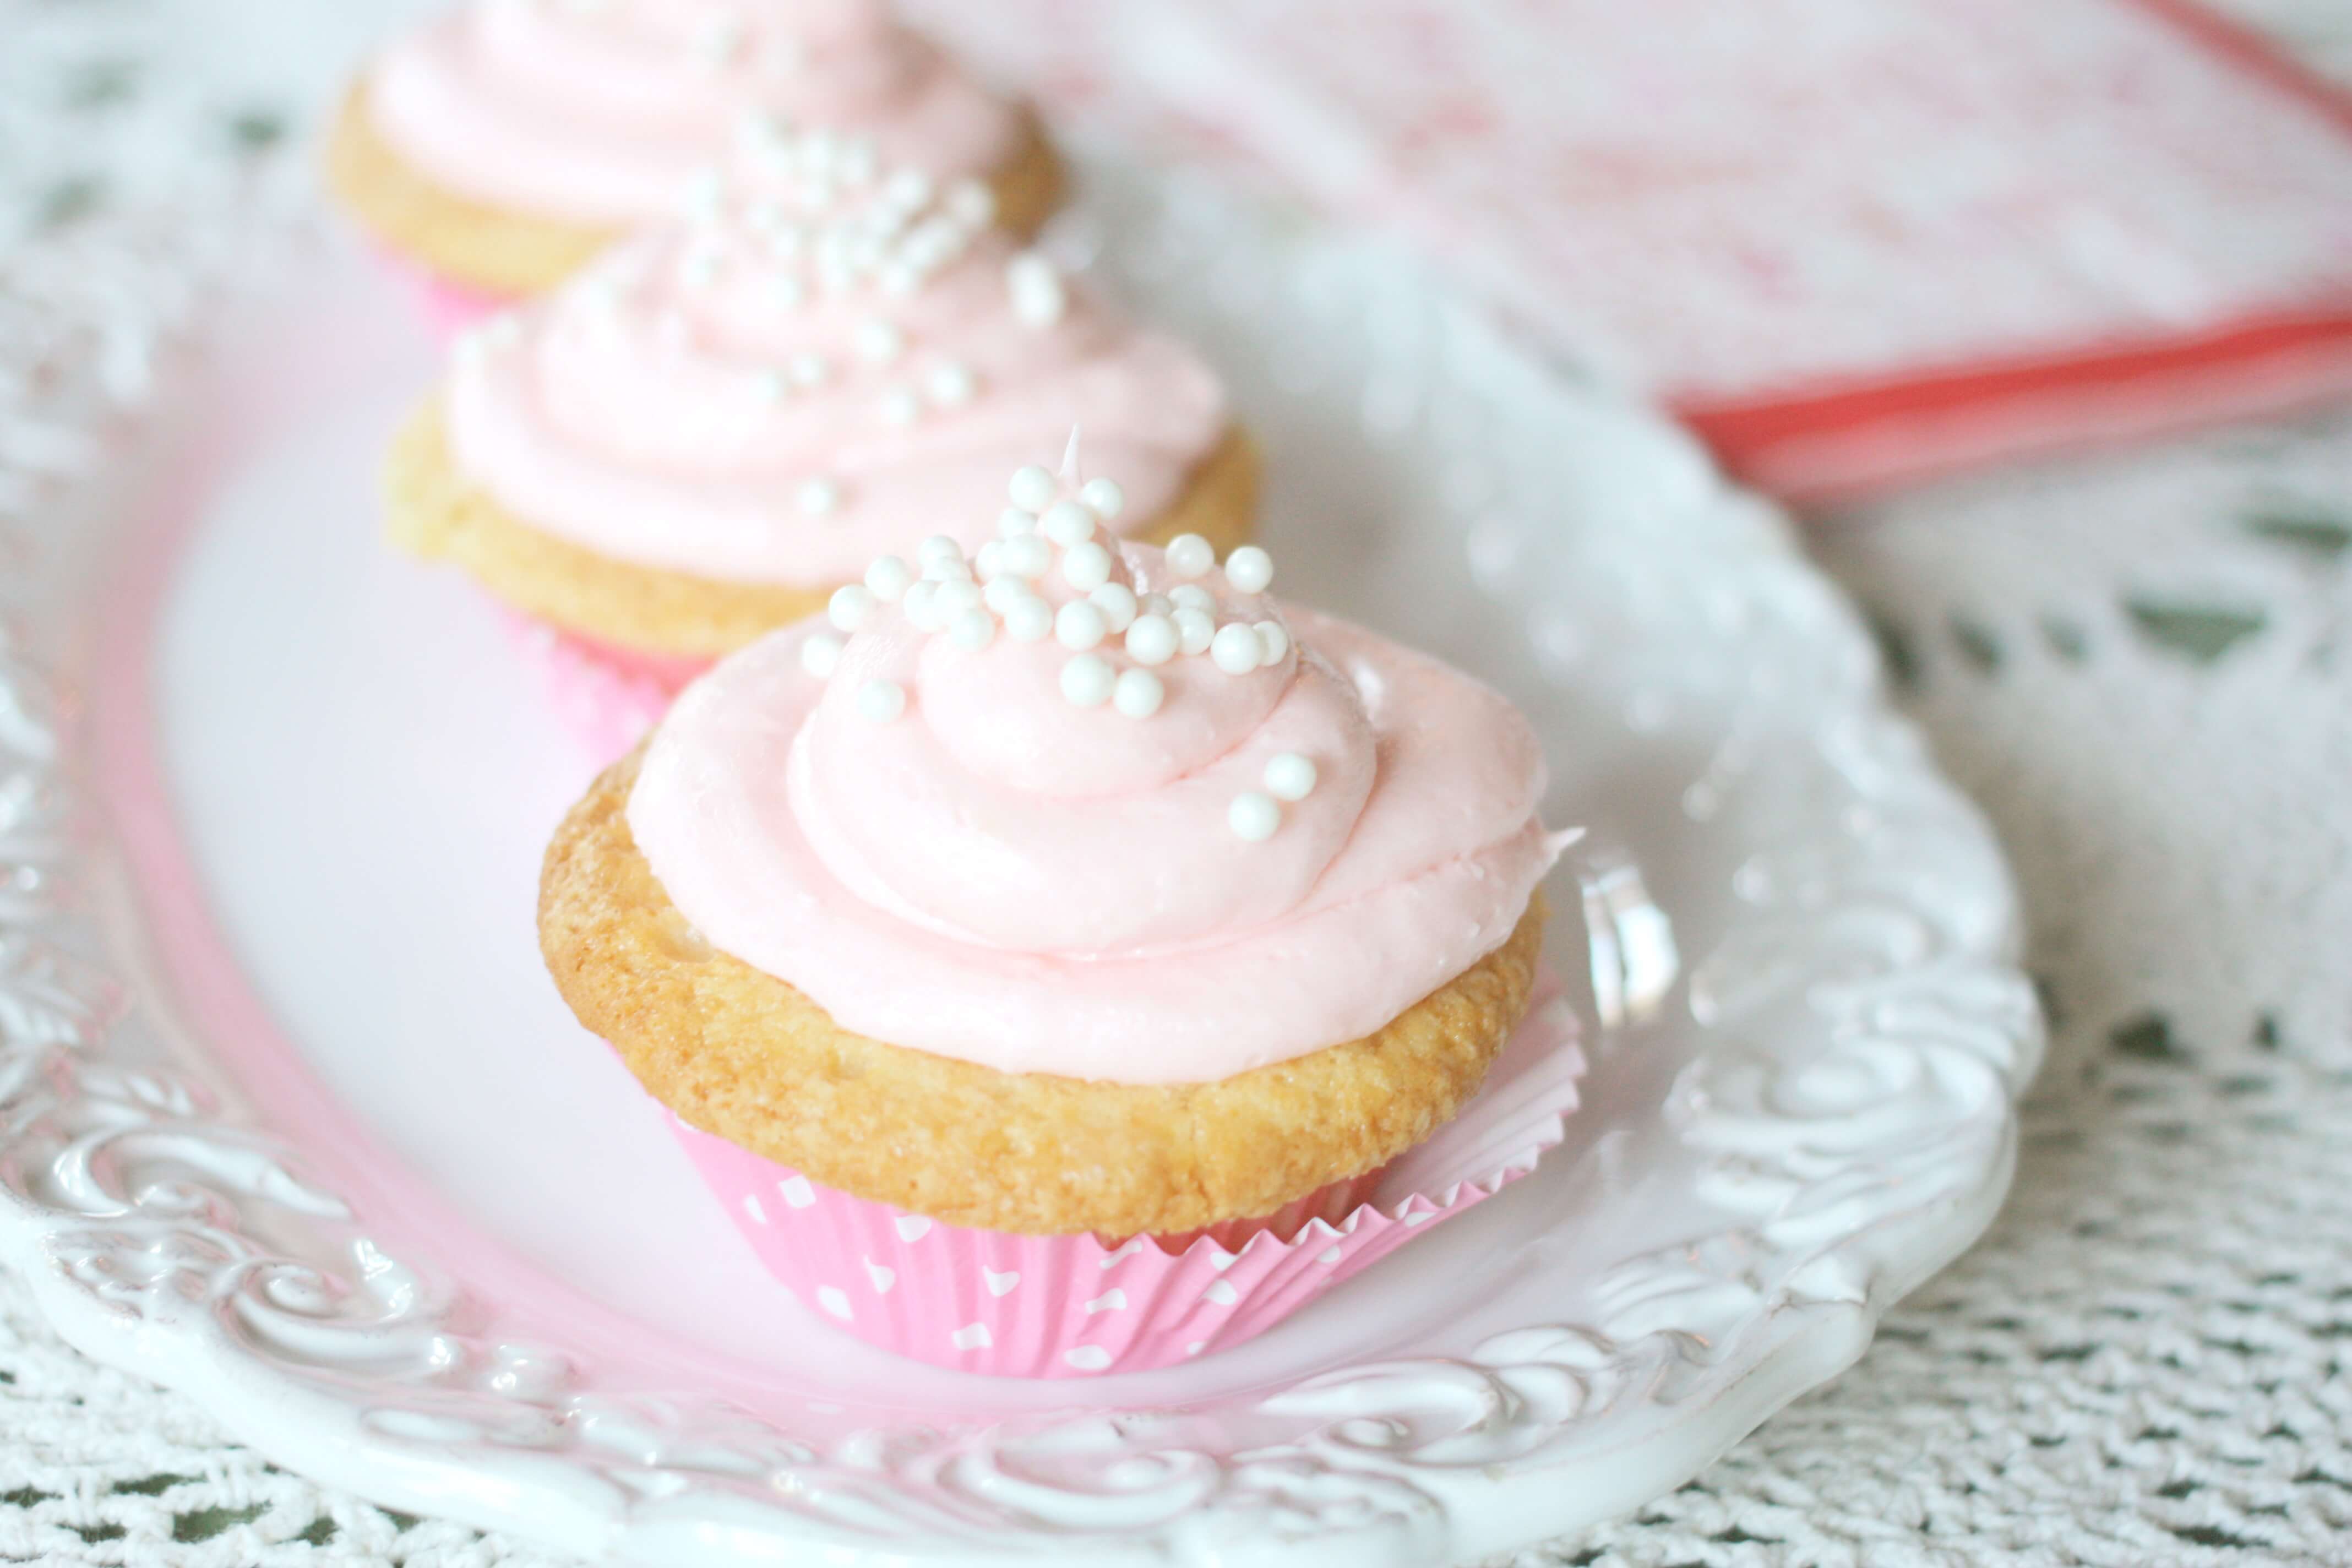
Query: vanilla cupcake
(1073,958)
(494,149)
(718,424)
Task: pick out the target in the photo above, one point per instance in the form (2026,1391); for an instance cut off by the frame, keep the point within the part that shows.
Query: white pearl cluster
(1043,533)
(825,216)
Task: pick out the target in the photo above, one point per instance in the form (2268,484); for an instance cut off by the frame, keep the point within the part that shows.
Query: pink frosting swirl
(946,849)
(814,376)
(602,112)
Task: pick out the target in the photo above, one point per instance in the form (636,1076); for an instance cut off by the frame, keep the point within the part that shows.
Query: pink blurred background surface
(1854,242)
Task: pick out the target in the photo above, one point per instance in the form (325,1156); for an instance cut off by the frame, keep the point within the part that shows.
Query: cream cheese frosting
(1045,812)
(835,359)
(601,113)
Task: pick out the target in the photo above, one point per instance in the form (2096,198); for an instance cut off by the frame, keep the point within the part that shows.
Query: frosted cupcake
(718,424)
(497,148)
(1073,958)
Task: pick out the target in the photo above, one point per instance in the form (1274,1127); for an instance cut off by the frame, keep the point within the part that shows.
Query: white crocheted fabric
(2141,665)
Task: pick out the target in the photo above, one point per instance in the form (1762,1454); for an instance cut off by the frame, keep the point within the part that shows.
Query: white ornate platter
(291,1119)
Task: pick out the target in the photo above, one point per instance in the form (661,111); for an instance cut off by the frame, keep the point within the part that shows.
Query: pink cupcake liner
(608,698)
(447,306)
(1072,1306)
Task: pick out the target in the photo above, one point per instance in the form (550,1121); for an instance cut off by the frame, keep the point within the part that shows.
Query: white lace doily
(2141,665)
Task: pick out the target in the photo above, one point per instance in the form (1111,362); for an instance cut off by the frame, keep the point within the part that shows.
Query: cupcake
(494,149)
(1071,960)
(719,425)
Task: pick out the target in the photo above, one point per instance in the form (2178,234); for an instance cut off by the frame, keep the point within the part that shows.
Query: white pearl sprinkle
(772,387)
(1033,488)
(1067,523)
(953,386)
(921,606)
(1235,650)
(706,195)
(1004,591)
(819,654)
(881,700)
(1157,604)
(852,606)
(1028,556)
(972,630)
(762,134)
(1104,495)
(1117,603)
(1190,556)
(699,270)
(1249,569)
(956,595)
(1029,619)
(889,578)
(1087,681)
(1151,639)
(809,370)
(944,568)
(1192,596)
(988,561)
(1139,693)
(1195,630)
(880,340)
(1039,299)
(938,547)
(971,203)
(1012,522)
(1079,626)
(1273,642)
(819,498)
(1086,567)
(900,405)
(908,188)
(719,42)
(1253,817)
(1289,776)
(859,161)
(786,292)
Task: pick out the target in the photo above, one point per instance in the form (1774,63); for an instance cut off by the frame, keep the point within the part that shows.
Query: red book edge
(1841,440)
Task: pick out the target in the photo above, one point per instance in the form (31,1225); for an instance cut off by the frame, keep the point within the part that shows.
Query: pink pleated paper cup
(608,698)
(447,306)
(1074,1305)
